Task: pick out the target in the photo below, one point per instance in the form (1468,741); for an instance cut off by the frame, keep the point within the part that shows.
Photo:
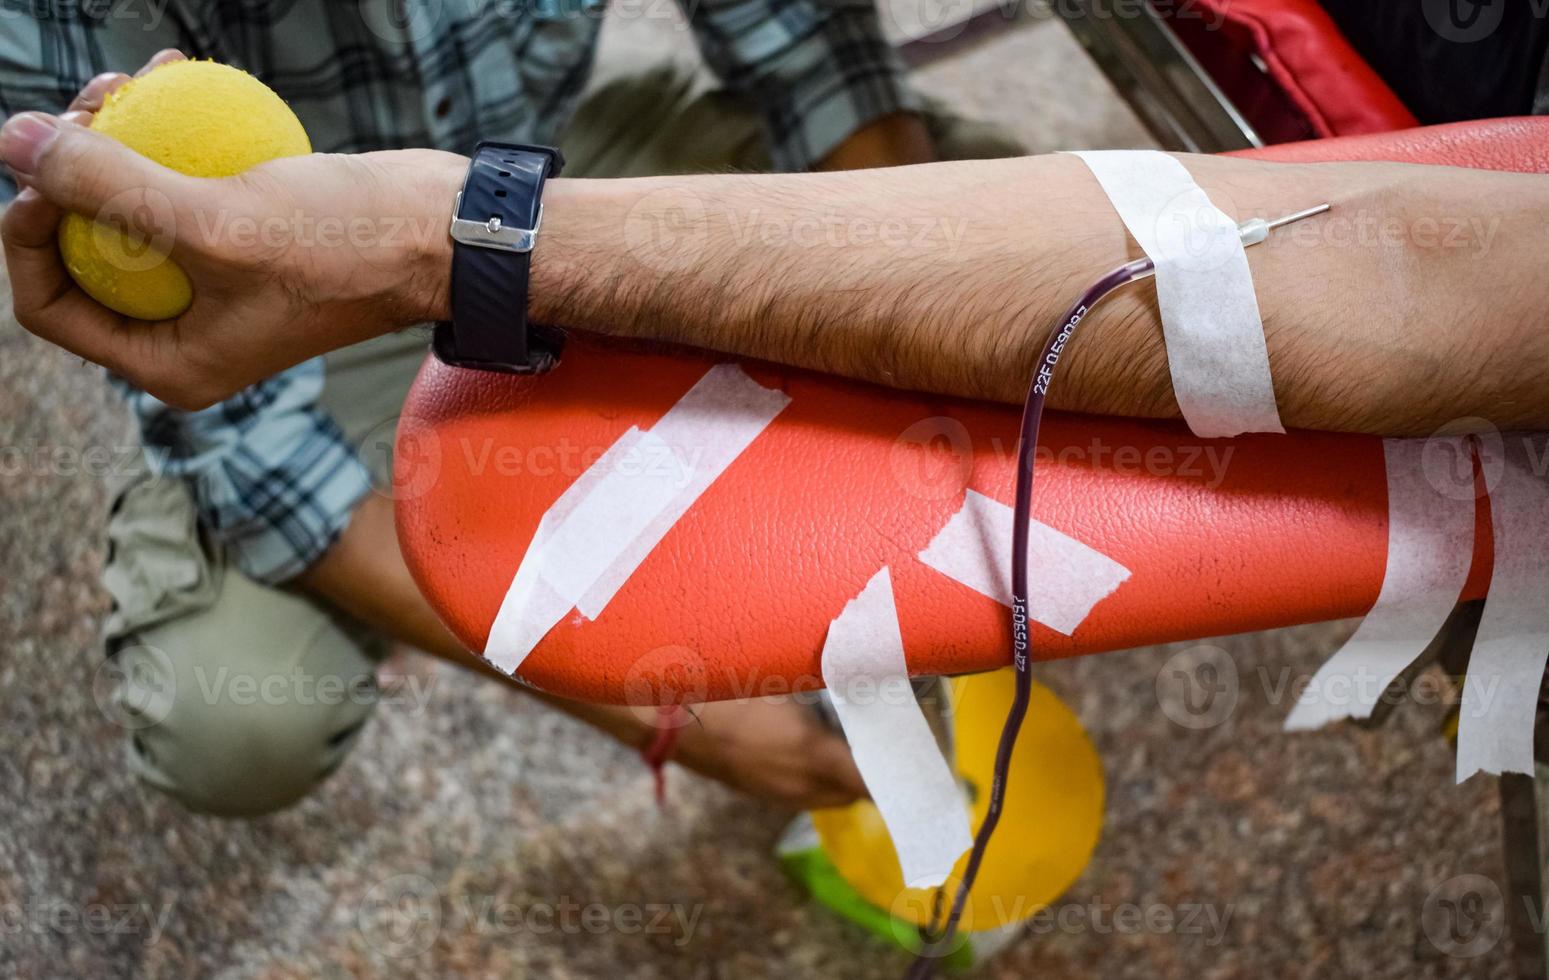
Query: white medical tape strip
(907,776)
(1430,550)
(613,516)
(1500,694)
(1068,579)
(605,524)
(530,609)
(1204,290)
(705,431)
(531,606)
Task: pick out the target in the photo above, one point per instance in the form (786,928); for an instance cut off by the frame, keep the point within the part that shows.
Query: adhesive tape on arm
(1204,289)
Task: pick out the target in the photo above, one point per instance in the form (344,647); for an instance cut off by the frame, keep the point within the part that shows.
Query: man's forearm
(1415,301)
(1418,300)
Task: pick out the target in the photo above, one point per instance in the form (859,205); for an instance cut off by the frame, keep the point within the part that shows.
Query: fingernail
(96,91)
(99,83)
(24,138)
(162,57)
(80,117)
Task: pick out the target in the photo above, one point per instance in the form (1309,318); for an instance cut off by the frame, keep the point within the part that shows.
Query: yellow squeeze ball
(1050,821)
(199,118)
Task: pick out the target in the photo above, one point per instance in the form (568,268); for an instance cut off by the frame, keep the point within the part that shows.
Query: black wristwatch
(494,227)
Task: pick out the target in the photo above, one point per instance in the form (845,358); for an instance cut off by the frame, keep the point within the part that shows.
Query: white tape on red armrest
(1430,548)
(1068,578)
(605,524)
(1204,291)
(867,677)
(1506,670)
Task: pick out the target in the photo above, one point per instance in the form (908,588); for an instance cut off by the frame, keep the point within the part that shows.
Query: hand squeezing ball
(196,117)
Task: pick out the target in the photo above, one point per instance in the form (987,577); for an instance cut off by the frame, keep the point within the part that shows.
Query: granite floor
(474,833)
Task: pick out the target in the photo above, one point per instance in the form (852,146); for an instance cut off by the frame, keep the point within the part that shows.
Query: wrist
(425,290)
(564,239)
(604,244)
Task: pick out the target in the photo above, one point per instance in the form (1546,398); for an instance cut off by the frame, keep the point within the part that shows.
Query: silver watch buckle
(492,233)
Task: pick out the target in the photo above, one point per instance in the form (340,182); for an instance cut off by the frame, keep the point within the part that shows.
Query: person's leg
(236,698)
(671,120)
(663,120)
(364,392)
(260,698)
(962,138)
(251,694)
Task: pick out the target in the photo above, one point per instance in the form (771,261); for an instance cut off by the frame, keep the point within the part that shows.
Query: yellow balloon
(197,117)
(1049,825)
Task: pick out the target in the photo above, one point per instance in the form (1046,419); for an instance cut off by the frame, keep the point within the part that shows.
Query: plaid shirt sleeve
(274,479)
(819,69)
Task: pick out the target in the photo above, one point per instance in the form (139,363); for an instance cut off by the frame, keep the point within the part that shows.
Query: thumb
(89,173)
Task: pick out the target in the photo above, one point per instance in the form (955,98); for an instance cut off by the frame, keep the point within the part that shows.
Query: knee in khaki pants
(240,708)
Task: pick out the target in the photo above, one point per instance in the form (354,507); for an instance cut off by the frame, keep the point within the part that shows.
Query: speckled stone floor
(481,835)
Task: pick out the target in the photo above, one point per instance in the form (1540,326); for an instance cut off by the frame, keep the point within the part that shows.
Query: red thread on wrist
(659,749)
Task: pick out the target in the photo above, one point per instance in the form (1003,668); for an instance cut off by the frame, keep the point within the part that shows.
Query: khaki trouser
(239,698)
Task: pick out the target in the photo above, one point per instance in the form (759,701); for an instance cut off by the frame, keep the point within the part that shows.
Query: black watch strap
(495,224)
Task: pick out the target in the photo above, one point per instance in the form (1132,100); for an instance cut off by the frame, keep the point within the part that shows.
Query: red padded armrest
(736,599)
(1305,57)
(1513,143)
